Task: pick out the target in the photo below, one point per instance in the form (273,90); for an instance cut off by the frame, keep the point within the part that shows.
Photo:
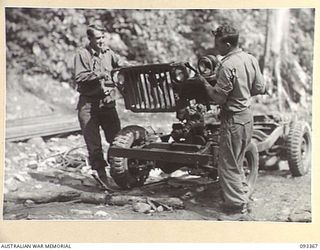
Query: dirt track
(29,185)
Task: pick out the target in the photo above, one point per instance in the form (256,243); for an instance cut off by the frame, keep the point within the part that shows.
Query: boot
(236,213)
(103,175)
(102,179)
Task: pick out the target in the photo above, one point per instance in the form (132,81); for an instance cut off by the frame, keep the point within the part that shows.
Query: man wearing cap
(238,78)
(96,106)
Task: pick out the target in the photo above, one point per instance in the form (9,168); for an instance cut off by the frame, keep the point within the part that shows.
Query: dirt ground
(40,186)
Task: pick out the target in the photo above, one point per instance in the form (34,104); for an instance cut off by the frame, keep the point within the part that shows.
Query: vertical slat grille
(149,89)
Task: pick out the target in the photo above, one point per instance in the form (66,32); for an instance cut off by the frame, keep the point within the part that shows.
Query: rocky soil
(50,180)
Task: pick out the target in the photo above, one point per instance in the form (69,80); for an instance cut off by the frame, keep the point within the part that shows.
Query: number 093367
(309,246)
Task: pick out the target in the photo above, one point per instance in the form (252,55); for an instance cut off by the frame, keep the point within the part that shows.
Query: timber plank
(26,128)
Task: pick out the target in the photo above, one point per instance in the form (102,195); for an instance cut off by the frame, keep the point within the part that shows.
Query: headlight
(118,77)
(179,73)
(207,65)
(121,78)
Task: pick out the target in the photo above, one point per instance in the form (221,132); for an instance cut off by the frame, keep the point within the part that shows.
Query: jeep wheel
(250,166)
(299,148)
(128,173)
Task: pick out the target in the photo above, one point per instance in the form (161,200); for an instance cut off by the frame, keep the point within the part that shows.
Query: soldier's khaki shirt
(238,78)
(87,67)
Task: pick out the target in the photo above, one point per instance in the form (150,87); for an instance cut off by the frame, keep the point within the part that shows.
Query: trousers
(235,135)
(92,115)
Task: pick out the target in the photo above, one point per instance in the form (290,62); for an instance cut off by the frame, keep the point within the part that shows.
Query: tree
(283,73)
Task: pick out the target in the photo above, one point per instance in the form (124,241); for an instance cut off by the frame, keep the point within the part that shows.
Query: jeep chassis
(193,142)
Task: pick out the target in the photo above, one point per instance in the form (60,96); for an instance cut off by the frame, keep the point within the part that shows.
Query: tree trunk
(275,48)
(283,74)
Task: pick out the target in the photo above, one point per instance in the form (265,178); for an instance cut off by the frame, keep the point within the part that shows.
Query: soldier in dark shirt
(96,106)
(238,78)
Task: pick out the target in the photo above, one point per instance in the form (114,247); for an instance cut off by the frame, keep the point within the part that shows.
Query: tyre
(270,160)
(250,166)
(298,147)
(129,173)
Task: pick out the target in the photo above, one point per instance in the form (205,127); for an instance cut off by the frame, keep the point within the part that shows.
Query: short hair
(227,34)
(92,27)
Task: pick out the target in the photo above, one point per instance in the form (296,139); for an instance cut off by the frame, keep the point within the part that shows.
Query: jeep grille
(149,88)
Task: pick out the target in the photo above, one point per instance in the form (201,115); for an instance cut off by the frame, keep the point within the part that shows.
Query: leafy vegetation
(43,41)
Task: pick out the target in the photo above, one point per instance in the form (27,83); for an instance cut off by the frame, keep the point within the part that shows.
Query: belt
(227,113)
(100,100)
(91,98)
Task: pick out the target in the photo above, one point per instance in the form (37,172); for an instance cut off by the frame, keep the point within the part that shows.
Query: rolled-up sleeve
(219,92)
(82,69)
(117,60)
(258,85)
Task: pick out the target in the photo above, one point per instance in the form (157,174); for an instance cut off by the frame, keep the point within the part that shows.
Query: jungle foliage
(43,40)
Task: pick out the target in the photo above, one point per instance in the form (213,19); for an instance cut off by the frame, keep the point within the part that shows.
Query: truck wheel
(299,148)
(266,162)
(128,173)
(250,166)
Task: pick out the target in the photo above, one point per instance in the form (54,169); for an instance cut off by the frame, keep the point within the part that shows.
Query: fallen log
(42,197)
(122,200)
(92,198)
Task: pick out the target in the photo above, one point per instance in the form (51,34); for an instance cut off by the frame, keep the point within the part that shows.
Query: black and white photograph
(158,114)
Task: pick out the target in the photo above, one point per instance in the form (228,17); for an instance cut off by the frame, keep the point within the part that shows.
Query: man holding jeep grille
(96,106)
(238,78)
